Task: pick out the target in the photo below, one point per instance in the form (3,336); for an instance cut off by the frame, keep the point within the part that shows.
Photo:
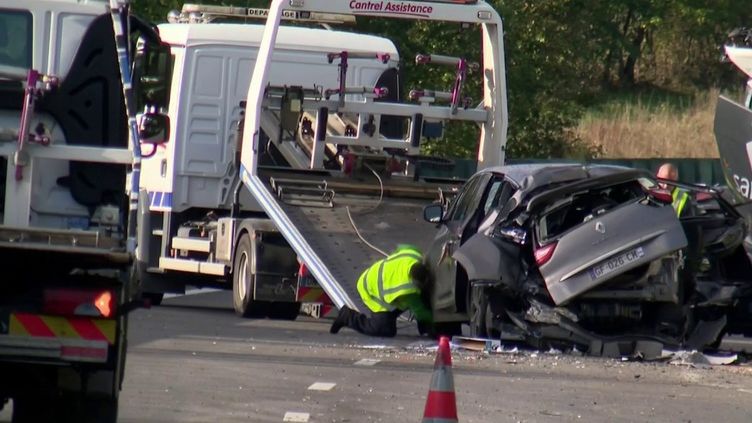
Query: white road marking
(322,386)
(367,362)
(292,416)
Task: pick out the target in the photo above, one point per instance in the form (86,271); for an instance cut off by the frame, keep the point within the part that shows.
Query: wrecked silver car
(592,257)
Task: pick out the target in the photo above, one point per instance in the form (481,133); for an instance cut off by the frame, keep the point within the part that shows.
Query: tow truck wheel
(26,409)
(155,298)
(284,311)
(97,410)
(243,281)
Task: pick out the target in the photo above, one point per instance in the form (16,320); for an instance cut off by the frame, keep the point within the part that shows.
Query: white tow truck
(293,145)
(67,229)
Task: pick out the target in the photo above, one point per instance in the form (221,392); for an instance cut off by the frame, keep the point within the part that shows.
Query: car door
(485,257)
(460,219)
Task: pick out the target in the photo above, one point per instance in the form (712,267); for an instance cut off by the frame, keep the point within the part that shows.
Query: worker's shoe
(341,320)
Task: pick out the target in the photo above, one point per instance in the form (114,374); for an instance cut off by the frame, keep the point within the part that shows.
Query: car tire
(478,310)
(447,329)
(243,281)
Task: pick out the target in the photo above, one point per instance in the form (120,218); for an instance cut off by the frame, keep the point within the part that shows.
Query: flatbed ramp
(310,208)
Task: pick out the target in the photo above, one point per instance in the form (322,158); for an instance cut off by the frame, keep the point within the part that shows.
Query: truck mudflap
(73,339)
(313,211)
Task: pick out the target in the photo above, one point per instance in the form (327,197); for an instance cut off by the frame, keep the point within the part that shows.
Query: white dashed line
(367,362)
(292,416)
(322,386)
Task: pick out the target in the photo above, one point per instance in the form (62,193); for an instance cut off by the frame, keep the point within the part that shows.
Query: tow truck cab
(63,211)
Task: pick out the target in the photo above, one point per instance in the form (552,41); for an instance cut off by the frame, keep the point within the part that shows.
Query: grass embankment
(652,125)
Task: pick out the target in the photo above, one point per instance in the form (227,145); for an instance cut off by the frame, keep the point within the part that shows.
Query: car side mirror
(433,213)
(153,128)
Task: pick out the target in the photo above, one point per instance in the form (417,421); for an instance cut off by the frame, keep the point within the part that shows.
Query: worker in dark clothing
(388,288)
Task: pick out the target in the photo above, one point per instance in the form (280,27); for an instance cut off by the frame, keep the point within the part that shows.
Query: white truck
(65,248)
(198,76)
(330,154)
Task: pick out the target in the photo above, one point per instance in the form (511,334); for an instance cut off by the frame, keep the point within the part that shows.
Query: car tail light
(703,196)
(543,254)
(79,302)
(661,196)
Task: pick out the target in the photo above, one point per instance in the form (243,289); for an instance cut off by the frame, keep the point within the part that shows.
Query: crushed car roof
(528,177)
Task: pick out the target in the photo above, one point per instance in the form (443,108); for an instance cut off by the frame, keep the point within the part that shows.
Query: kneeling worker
(388,288)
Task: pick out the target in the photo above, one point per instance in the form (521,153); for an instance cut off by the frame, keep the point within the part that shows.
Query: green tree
(561,55)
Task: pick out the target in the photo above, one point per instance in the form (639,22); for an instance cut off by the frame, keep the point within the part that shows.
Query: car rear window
(566,213)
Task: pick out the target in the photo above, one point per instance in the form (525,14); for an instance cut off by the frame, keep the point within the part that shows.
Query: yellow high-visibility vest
(388,279)
(680,198)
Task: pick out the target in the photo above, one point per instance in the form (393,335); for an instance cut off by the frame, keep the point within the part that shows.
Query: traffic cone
(441,404)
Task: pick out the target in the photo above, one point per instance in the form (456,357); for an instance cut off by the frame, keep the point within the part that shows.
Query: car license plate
(615,263)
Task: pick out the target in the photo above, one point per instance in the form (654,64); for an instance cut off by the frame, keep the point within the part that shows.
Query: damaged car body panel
(487,259)
(607,242)
(590,256)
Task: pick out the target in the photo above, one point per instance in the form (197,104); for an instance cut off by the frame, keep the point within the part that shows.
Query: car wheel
(492,331)
(447,329)
(478,311)
(243,281)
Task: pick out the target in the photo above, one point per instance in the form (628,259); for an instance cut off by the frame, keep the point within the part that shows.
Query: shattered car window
(494,193)
(581,207)
(467,200)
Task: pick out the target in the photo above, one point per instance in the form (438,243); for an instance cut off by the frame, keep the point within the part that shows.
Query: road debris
(700,360)
(646,352)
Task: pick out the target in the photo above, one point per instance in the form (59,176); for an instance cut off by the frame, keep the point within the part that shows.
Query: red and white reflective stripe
(94,353)
(63,327)
(54,348)
(312,295)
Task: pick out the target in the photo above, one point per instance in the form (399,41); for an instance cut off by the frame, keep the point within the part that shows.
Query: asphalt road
(193,360)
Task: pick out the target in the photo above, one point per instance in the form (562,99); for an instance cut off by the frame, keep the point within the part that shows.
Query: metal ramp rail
(314,206)
(311,209)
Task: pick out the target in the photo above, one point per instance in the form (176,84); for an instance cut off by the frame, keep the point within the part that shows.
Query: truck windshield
(152,76)
(15,38)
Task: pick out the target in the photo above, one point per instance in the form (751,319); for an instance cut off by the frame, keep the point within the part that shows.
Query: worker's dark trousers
(377,324)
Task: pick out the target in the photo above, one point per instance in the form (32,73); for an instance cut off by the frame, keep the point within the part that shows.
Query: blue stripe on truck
(160,200)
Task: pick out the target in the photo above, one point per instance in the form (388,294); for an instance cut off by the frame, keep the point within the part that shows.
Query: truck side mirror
(153,128)
(433,213)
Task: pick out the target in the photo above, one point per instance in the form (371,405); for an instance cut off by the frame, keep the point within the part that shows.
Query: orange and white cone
(441,404)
